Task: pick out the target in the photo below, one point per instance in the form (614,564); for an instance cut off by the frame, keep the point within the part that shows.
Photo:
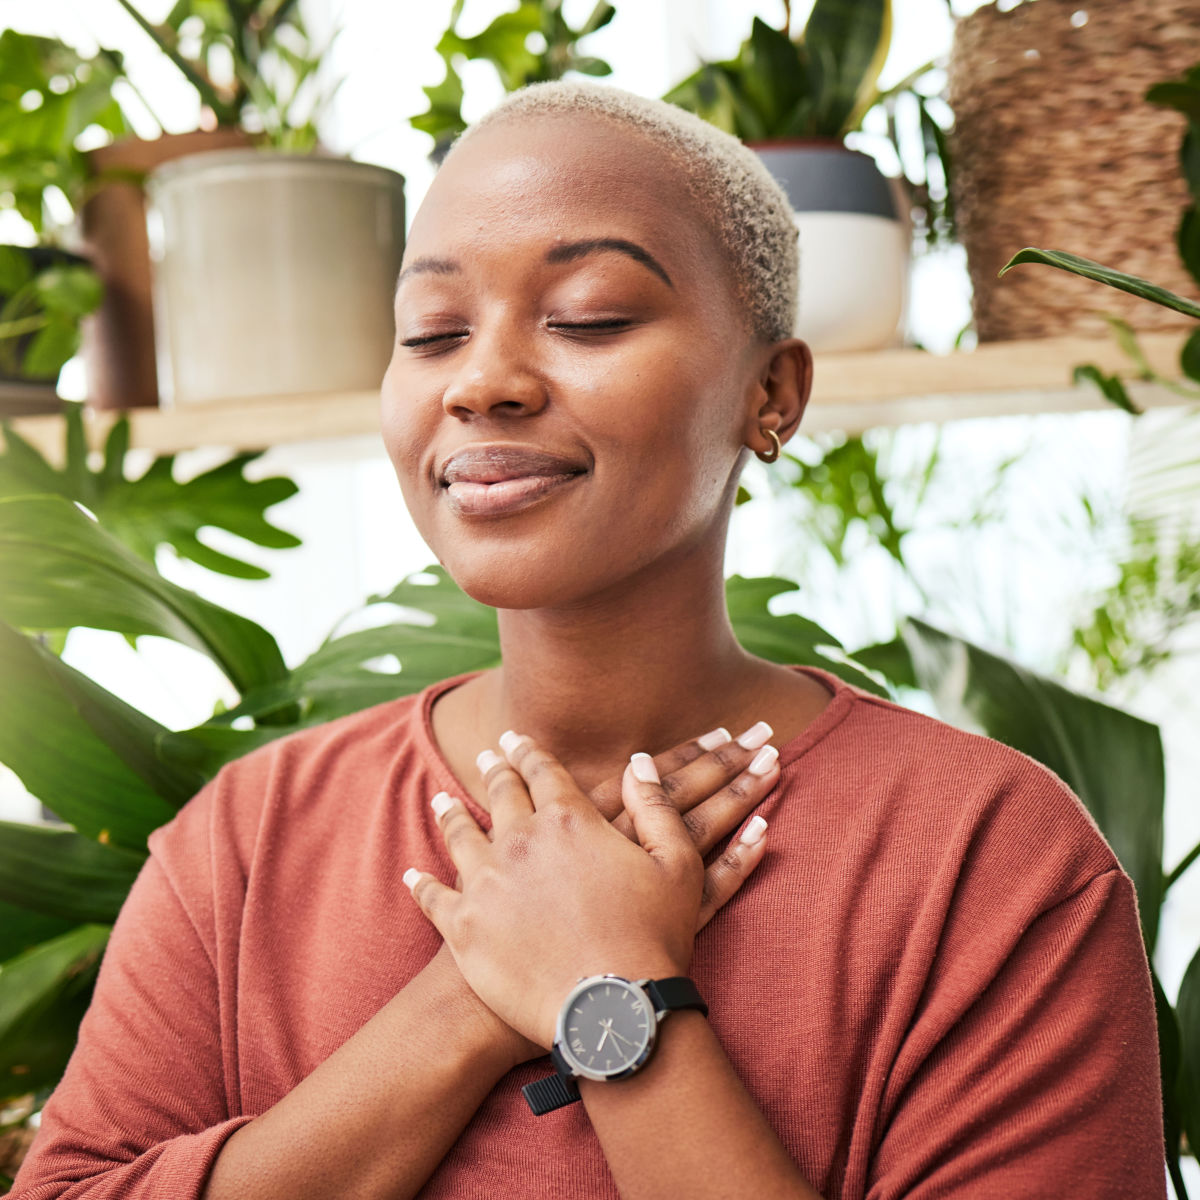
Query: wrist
(479,1034)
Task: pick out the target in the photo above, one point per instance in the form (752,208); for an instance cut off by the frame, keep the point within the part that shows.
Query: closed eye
(429,339)
(609,326)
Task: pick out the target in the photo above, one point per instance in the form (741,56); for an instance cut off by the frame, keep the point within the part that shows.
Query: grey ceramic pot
(855,244)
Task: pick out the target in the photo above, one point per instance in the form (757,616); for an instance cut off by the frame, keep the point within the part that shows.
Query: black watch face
(607,1028)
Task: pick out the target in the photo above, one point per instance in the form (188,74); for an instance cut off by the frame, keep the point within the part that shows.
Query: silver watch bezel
(637,987)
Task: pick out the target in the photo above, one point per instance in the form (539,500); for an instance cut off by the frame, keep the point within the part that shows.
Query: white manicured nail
(644,768)
(718,737)
(757,735)
(763,761)
(753,833)
(509,741)
(441,804)
(410,878)
(487,760)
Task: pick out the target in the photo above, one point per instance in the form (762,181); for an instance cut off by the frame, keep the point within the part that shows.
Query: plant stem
(1176,1179)
(23,325)
(1187,860)
(208,93)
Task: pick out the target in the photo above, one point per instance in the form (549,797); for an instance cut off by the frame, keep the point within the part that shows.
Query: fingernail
(718,737)
(753,833)
(410,877)
(757,735)
(442,803)
(509,741)
(763,761)
(644,768)
(487,760)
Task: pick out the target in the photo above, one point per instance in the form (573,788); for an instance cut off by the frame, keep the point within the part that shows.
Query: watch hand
(606,1033)
(622,1037)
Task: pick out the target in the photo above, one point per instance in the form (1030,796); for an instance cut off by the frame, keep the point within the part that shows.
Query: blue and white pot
(855,244)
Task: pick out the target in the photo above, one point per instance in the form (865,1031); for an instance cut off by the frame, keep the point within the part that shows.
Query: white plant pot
(855,246)
(273,274)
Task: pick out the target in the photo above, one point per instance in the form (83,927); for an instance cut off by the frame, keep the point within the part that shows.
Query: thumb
(656,821)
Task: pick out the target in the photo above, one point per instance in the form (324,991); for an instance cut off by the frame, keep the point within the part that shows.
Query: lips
(495,480)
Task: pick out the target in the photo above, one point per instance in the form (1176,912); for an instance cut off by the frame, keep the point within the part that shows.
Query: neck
(644,668)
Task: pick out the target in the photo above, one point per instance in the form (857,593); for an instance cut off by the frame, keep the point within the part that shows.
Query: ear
(780,394)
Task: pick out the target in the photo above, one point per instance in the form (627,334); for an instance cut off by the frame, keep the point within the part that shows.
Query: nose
(495,376)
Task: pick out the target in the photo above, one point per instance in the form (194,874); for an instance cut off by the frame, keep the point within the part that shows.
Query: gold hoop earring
(769,456)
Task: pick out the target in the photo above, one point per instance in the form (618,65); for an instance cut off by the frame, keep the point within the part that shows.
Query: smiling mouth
(491,481)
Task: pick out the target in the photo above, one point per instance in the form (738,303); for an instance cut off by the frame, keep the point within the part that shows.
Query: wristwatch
(606,1030)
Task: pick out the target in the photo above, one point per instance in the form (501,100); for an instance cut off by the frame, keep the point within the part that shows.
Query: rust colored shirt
(933,986)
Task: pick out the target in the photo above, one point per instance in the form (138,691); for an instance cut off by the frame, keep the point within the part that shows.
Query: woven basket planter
(1055,146)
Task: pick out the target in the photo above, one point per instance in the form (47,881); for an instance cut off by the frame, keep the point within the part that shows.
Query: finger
(507,796)
(433,897)
(719,815)
(607,795)
(731,870)
(703,776)
(465,842)
(548,781)
(656,823)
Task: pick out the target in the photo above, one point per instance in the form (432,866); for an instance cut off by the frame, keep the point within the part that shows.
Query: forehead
(559,177)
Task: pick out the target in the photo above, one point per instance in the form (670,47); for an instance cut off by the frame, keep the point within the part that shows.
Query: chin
(518,576)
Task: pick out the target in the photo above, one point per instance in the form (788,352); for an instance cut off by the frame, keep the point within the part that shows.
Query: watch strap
(547,1094)
(675,993)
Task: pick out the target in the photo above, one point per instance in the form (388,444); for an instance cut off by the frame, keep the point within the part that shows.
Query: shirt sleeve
(1048,1083)
(143,1109)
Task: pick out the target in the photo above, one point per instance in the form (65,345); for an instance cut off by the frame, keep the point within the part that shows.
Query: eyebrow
(573,250)
(558,254)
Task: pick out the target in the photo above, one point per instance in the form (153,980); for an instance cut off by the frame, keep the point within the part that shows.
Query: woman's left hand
(558,893)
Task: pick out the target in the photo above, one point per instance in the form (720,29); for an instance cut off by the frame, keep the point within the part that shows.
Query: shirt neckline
(844,697)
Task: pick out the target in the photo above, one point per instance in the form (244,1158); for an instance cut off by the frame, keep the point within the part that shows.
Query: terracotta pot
(855,244)
(118,339)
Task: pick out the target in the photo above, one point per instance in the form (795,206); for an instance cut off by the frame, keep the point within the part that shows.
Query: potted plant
(49,97)
(1053,145)
(794,98)
(308,309)
(505,43)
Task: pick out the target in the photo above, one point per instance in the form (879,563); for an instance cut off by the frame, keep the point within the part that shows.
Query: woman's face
(571,380)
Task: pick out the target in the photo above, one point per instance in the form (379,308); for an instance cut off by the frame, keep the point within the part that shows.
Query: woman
(933,983)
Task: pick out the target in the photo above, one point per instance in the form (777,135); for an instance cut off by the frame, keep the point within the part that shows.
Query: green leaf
(1113,761)
(58,569)
(50,348)
(786,637)
(1180,95)
(1171,1070)
(1189,161)
(772,74)
(154,510)
(64,874)
(60,758)
(1084,267)
(1187,1010)
(1189,357)
(892,660)
(849,39)
(1188,241)
(43,995)
(21,929)
(1110,386)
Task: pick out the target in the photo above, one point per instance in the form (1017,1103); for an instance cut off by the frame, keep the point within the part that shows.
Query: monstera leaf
(154,509)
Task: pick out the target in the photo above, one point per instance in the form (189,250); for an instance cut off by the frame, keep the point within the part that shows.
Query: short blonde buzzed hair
(744,205)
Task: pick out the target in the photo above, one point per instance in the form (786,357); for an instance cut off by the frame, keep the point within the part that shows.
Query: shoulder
(958,805)
(291,772)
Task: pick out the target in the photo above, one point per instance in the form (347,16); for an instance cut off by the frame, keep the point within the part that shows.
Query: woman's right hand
(710,782)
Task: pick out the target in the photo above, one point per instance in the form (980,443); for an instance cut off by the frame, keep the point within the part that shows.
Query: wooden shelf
(851,392)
